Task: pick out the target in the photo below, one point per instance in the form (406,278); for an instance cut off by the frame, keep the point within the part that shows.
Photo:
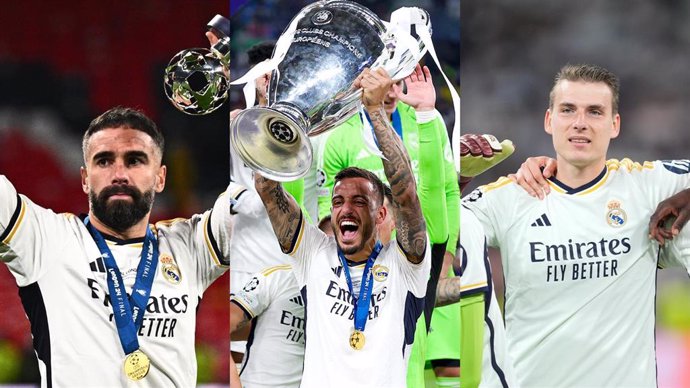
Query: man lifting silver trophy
(315,62)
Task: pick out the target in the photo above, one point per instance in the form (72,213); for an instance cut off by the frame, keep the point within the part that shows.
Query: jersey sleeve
(452,189)
(209,236)
(676,253)
(473,256)
(307,243)
(664,177)
(431,190)
(256,295)
(492,212)
(415,276)
(29,234)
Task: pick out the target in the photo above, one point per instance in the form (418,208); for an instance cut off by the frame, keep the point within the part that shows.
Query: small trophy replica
(196,80)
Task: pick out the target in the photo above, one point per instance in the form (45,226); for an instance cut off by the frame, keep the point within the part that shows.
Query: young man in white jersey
(358,336)
(112,299)
(579,268)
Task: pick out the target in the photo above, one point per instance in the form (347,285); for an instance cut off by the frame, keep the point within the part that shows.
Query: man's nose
(580,122)
(120,174)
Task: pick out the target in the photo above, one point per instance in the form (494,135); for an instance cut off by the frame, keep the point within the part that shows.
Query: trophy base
(272,143)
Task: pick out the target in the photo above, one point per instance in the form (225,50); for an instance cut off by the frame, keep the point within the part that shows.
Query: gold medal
(357,340)
(137,365)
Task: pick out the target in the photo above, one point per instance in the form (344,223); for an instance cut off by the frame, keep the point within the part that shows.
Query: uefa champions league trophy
(314,65)
(196,80)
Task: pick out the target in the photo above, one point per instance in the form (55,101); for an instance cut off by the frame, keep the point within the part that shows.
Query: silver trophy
(196,80)
(325,48)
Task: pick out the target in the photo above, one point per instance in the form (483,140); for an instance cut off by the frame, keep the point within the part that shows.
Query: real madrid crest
(380,272)
(170,271)
(615,216)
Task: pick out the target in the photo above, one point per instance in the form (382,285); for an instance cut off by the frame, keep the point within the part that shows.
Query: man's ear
(84,180)
(616,130)
(381,214)
(547,122)
(160,178)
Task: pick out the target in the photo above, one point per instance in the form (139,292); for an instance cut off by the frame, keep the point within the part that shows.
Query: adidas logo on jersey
(297,300)
(337,270)
(97,265)
(542,221)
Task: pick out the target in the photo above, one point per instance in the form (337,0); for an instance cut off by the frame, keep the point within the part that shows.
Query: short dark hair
(260,52)
(121,117)
(356,172)
(587,73)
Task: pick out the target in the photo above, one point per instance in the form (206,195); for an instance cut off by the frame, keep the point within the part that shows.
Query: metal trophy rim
(301,141)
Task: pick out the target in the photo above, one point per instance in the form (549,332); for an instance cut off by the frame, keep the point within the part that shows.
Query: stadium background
(61,64)
(511,51)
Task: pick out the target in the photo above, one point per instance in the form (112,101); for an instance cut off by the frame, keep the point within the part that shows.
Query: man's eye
(135,161)
(102,162)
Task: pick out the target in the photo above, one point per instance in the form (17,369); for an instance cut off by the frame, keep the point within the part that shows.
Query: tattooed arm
(411,229)
(238,318)
(282,210)
(448,291)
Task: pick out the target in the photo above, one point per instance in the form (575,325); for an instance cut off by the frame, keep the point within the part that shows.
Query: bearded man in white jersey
(360,321)
(112,299)
(580,271)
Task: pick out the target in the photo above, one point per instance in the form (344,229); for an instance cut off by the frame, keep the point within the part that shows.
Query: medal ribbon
(128,311)
(361,303)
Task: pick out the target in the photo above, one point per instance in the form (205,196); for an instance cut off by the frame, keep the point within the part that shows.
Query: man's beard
(121,215)
(364,238)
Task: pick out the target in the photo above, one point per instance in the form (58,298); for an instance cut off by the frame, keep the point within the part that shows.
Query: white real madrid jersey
(275,349)
(254,244)
(497,370)
(62,284)
(397,300)
(580,273)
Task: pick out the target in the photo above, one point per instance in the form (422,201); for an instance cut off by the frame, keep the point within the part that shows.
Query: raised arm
(411,229)
(282,210)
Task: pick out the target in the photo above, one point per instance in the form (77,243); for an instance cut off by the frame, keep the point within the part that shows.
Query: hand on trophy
(421,94)
(213,37)
(375,85)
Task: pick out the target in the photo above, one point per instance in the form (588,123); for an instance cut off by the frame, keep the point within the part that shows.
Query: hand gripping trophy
(315,62)
(196,80)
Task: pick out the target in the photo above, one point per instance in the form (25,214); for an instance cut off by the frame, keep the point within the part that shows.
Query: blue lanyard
(397,125)
(128,311)
(362,302)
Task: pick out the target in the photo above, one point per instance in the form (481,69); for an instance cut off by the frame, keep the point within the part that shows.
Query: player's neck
(363,254)
(576,176)
(138,230)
